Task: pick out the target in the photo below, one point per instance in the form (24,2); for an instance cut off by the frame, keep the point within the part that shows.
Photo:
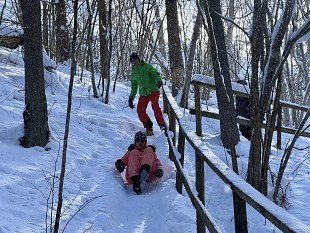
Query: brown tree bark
(35,113)
(175,52)
(190,61)
(66,136)
(62,36)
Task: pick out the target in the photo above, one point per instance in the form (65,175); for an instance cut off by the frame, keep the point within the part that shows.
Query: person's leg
(141,110)
(154,98)
(133,166)
(148,162)
(133,171)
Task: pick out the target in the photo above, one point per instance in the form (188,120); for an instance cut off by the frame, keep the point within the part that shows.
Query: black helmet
(140,136)
(134,56)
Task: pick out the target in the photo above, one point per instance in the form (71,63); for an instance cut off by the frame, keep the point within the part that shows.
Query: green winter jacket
(145,77)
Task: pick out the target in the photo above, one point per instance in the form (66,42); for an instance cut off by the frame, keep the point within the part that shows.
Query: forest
(264,43)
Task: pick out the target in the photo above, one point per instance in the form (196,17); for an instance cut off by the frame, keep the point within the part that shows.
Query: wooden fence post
(172,124)
(165,100)
(200,186)
(197,109)
(181,148)
(279,125)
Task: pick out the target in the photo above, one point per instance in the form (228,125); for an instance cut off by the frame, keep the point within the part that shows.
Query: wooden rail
(182,133)
(241,90)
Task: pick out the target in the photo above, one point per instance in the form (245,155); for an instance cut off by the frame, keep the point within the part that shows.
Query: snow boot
(162,127)
(149,132)
(144,172)
(136,184)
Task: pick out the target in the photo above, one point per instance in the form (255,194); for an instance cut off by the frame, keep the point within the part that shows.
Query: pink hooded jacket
(133,160)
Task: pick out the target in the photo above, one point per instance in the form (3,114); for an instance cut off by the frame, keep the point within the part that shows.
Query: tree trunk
(190,61)
(286,156)
(103,33)
(45,29)
(64,150)
(229,132)
(35,113)
(175,52)
(254,164)
(89,45)
(228,124)
(109,55)
(62,36)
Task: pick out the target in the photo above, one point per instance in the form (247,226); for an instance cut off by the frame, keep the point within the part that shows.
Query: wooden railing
(241,90)
(203,155)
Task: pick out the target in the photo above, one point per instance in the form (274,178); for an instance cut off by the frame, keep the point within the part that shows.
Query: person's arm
(159,168)
(158,163)
(120,164)
(134,88)
(125,158)
(154,73)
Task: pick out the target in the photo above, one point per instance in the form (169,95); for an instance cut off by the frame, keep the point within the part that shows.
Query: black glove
(145,167)
(119,165)
(131,147)
(152,146)
(130,103)
(159,173)
(159,83)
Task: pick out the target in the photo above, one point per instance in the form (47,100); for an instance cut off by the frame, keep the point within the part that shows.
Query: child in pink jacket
(141,163)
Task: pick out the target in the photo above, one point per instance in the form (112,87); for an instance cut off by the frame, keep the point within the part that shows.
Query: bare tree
(190,61)
(2,11)
(64,151)
(268,98)
(62,34)
(228,124)
(90,32)
(109,55)
(286,156)
(175,52)
(35,113)
(103,37)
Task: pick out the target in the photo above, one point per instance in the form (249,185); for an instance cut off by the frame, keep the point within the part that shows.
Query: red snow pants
(142,105)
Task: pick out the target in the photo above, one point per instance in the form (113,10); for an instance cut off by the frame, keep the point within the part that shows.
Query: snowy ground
(99,135)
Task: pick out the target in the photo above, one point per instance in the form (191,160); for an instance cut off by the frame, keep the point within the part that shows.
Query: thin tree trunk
(190,61)
(286,156)
(64,151)
(107,93)
(254,163)
(89,45)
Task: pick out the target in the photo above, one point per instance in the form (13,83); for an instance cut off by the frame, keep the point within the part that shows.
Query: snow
(6,30)
(209,81)
(95,197)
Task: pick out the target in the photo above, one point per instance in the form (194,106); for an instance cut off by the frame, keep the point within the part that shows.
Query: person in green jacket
(146,79)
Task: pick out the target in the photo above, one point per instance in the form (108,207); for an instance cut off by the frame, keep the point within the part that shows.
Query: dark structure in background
(243,109)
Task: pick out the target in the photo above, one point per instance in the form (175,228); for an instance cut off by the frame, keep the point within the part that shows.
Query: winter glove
(159,83)
(119,165)
(131,147)
(152,146)
(130,103)
(159,173)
